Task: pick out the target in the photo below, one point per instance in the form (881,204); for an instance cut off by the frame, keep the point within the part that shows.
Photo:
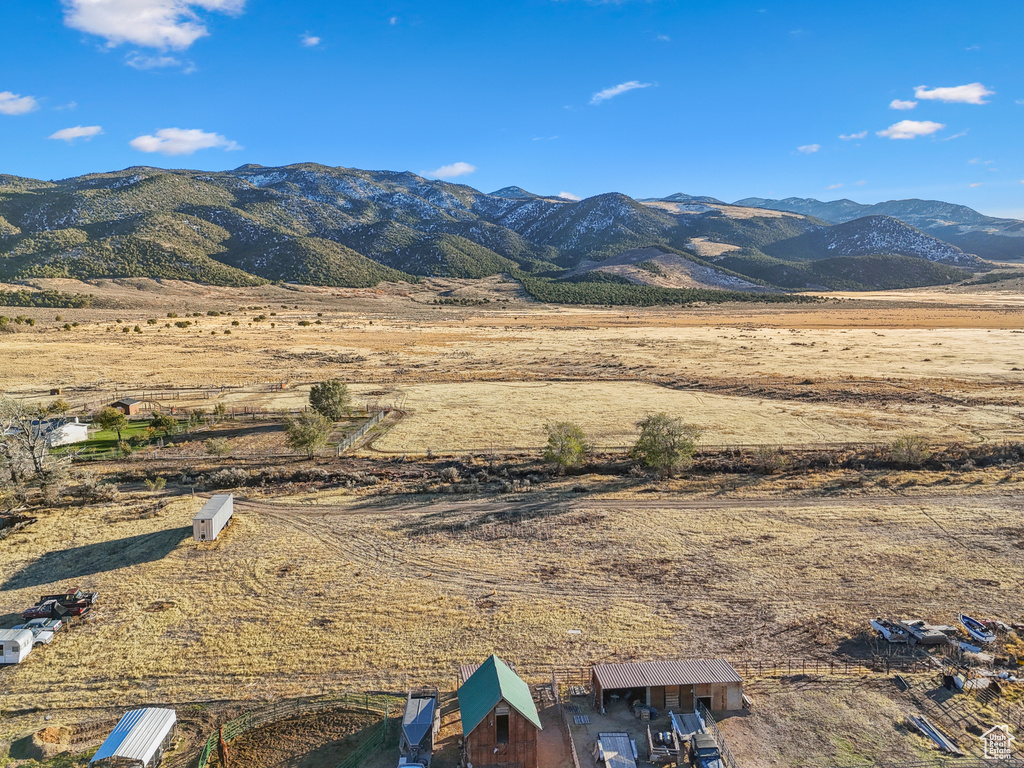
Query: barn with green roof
(500,722)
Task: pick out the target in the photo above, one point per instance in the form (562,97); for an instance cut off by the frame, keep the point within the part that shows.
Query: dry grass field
(319,589)
(299,596)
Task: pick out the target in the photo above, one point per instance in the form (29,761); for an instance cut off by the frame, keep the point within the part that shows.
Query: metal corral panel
(15,645)
(211,519)
(418,719)
(654,674)
(138,736)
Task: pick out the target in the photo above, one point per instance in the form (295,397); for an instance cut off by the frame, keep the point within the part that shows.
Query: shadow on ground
(77,562)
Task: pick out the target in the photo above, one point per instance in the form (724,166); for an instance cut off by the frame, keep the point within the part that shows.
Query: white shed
(139,740)
(15,645)
(213,517)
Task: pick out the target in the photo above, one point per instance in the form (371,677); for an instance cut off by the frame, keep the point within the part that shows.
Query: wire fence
(356,436)
(564,719)
(377,705)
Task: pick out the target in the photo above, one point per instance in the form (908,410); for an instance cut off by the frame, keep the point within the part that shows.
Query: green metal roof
(491,683)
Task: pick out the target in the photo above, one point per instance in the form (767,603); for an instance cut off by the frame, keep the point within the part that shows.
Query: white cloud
(151,23)
(835,186)
(860,183)
(977,184)
(979,161)
(182,141)
(901,104)
(451,171)
(808,149)
(138,60)
(853,136)
(956,135)
(911,129)
(16,104)
(1019,101)
(663,38)
(393,21)
(972,93)
(69,105)
(544,138)
(616,90)
(78,132)
(310,41)
(568,196)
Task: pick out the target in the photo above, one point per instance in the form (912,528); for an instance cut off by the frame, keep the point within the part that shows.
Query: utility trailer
(420,726)
(15,645)
(213,517)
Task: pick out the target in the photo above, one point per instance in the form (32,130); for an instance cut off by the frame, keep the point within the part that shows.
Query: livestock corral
(438,536)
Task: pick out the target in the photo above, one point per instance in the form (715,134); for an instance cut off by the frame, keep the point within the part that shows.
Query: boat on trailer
(977,630)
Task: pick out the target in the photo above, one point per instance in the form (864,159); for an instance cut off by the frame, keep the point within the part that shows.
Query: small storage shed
(213,517)
(139,740)
(127,405)
(15,645)
(674,685)
(499,719)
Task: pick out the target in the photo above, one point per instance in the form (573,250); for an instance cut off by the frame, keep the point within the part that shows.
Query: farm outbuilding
(139,740)
(674,685)
(129,406)
(500,722)
(60,433)
(213,517)
(15,645)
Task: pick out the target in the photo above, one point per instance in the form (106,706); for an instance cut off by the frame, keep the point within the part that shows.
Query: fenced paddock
(385,706)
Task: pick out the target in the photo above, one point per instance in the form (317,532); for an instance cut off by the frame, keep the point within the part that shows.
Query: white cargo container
(213,517)
(15,645)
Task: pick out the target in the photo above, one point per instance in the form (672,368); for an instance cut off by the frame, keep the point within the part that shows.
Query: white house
(66,433)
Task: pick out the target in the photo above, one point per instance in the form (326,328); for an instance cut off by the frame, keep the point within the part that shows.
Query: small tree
(161,422)
(58,407)
(567,445)
(331,399)
(666,444)
(911,450)
(309,432)
(111,420)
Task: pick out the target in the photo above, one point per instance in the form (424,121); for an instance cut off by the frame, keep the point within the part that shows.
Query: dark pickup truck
(73,602)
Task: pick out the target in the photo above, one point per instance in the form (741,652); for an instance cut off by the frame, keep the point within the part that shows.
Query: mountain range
(315,224)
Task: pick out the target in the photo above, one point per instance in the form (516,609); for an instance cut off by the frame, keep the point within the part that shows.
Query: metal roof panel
(655,674)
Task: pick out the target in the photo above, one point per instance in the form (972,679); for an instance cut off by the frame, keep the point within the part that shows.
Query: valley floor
(364,586)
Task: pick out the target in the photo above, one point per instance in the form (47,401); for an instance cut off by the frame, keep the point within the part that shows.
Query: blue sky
(645,97)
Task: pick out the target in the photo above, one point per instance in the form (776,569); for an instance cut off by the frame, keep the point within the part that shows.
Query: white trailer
(15,645)
(213,517)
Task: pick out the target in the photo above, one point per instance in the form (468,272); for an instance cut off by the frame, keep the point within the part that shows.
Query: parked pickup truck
(704,752)
(74,602)
(42,633)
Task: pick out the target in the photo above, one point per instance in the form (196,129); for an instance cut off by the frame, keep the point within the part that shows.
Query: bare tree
(25,457)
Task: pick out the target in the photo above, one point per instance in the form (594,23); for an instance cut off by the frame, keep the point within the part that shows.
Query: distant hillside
(871,235)
(347,227)
(973,232)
